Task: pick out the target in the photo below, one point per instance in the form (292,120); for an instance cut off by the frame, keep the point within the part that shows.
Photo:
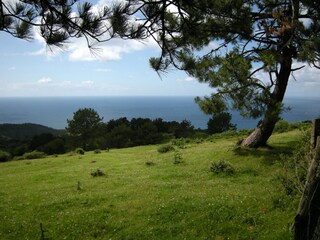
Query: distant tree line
(87,130)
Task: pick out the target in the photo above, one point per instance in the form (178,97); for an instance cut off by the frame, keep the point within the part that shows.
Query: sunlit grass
(162,200)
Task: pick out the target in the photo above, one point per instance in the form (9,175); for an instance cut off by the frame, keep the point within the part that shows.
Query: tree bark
(261,134)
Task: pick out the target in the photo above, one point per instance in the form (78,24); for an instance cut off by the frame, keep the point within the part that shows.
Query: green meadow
(145,194)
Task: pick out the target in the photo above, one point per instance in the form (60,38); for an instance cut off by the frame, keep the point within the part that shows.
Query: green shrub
(150,163)
(165,148)
(34,155)
(282,126)
(222,167)
(177,158)
(79,151)
(98,173)
(4,156)
(180,142)
(97,151)
(295,167)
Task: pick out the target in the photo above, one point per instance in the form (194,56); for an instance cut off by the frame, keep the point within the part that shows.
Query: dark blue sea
(54,111)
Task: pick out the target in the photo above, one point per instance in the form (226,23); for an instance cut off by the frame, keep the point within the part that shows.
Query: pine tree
(228,44)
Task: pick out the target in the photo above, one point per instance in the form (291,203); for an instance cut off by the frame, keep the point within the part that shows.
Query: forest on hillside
(18,139)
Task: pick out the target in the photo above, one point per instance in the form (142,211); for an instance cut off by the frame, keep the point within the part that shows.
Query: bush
(97,173)
(177,158)
(97,151)
(295,167)
(79,151)
(180,142)
(150,163)
(165,148)
(4,156)
(282,126)
(222,167)
(34,155)
(220,122)
(56,146)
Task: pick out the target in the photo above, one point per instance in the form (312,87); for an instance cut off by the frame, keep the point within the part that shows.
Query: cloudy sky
(117,68)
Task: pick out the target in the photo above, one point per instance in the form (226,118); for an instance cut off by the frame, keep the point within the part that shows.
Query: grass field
(145,195)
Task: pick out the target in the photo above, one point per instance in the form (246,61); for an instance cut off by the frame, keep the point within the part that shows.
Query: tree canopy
(84,125)
(246,50)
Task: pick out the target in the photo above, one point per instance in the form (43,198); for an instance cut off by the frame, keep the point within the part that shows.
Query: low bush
(79,151)
(98,173)
(4,156)
(282,126)
(97,151)
(295,167)
(222,167)
(165,148)
(150,163)
(180,142)
(34,155)
(177,158)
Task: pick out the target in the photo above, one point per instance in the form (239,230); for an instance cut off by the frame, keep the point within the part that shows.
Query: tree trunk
(261,134)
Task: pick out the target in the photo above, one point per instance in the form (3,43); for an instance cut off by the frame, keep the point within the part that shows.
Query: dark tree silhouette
(220,122)
(84,126)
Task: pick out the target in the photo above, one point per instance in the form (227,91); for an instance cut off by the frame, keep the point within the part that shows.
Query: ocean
(54,111)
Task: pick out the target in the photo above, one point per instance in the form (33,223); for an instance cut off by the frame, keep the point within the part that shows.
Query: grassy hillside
(144,195)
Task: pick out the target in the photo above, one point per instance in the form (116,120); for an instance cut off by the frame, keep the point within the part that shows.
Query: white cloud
(87,83)
(190,79)
(307,76)
(44,80)
(103,70)
(305,82)
(187,79)
(112,50)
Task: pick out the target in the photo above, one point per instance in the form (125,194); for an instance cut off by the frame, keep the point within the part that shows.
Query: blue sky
(119,68)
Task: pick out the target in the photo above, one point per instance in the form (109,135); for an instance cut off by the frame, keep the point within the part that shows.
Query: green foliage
(222,167)
(4,156)
(177,157)
(180,143)
(97,151)
(26,131)
(149,163)
(56,20)
(47,143)
(184,129)
(40,140)
(84,126)
(282,126)
(220,122)
(295,167)
(33,155)
(251,39)
(165,148)
(56,146)
(117,133)
(98,173)
(79,151)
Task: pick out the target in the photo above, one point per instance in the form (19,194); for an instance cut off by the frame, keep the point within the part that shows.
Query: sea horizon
(53,111)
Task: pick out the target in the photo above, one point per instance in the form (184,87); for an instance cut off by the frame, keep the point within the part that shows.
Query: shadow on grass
(270,153)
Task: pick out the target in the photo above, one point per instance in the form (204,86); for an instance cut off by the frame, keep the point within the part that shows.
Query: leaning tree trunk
(261,134)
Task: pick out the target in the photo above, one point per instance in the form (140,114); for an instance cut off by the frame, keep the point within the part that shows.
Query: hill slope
(149,195)
(25,131)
